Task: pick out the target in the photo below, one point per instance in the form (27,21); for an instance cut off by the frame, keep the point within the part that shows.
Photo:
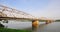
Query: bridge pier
(48,21)
(35,23)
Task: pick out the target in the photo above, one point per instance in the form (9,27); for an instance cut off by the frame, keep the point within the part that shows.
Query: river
(52,27)
(19,24)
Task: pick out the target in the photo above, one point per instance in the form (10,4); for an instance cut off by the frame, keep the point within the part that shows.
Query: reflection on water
(52,27)
(36,29)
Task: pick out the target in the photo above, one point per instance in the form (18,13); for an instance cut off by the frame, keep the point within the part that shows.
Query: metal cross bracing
(10,12)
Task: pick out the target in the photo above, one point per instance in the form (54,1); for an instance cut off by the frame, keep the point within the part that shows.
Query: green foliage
(57,20)
(12,30)
(42,21)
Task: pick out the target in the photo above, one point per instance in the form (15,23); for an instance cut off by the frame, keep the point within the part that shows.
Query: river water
(51,27)
(19,24)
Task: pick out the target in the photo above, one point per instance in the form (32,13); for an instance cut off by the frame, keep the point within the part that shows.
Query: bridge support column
(35,23)
(47,21)
(50,21)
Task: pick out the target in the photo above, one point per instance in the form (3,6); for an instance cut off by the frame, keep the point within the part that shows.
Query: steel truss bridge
(11,13)
(7,13)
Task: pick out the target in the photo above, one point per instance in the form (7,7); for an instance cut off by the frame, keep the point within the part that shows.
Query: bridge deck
(6,18)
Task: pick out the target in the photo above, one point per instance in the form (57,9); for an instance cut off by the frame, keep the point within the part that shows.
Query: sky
(39,8)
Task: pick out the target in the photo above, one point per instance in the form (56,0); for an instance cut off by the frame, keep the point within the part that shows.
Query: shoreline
(13,30)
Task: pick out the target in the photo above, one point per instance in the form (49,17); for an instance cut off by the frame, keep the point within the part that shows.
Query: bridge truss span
(10,12)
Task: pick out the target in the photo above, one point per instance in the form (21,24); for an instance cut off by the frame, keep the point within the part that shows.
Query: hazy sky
(38,8)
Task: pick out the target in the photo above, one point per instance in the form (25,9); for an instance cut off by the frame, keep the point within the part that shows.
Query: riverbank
(12,30)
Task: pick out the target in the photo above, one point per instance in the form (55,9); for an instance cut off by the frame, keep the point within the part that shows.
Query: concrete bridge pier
(48,21)
(35,23)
